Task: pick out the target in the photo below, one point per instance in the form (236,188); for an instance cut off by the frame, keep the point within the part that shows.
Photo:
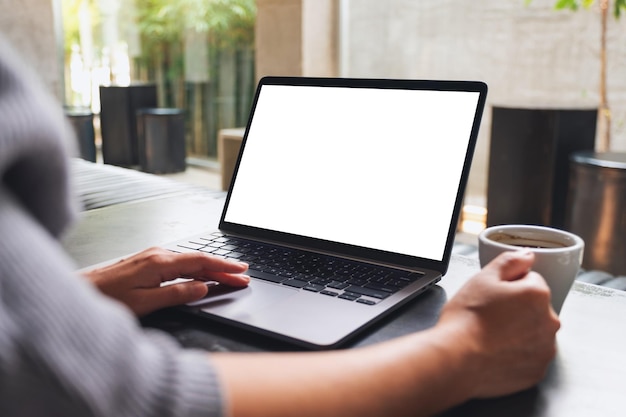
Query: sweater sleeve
(66,350)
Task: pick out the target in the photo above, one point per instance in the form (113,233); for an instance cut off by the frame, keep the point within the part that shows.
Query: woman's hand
(136,281)
(503,315)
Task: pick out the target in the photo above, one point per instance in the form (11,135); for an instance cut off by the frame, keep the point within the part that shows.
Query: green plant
(165,24)
(604,111)
(175,33)
(228,22)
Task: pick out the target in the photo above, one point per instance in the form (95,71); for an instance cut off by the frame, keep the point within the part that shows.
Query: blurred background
(544,58)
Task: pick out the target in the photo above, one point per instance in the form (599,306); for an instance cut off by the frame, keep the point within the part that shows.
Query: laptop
(344,202)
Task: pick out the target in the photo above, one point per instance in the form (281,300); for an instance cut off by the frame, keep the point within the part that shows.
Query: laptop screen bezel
(352,251)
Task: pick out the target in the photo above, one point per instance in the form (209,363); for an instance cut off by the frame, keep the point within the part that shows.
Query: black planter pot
(596,209)
(82,122)
(529,162)
(161,140)
(118,123)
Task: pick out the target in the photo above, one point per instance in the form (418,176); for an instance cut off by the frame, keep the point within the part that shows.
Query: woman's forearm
(416,375)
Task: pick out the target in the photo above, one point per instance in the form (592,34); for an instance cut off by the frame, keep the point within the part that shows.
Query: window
(198,53)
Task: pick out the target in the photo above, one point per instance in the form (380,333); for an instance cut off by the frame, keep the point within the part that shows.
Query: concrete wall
(278,37)
(529,56)
(296,37)
(29,26)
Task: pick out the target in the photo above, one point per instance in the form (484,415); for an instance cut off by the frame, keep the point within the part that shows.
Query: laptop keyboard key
(368,291)
(265,276)
(296,283)
(340,277)
(356,281)
(314,288)
(321,281)
(338,285)
(399,283)
(348,296)
(383,287)
(407,276)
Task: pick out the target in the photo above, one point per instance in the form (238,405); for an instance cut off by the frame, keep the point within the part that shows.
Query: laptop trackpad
(242,302)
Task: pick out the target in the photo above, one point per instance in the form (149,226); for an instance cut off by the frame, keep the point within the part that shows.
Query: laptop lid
(366,168)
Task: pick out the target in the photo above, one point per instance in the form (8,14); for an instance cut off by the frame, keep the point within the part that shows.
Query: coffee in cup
(558,254)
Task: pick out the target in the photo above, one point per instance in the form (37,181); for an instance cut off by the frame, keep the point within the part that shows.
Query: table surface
(585,379)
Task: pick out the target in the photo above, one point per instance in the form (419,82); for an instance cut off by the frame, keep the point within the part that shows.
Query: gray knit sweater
(66,350)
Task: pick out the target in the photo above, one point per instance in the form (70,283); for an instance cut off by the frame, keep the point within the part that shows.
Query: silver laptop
(344,202)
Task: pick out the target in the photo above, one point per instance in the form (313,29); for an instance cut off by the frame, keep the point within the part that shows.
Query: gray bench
(100,185)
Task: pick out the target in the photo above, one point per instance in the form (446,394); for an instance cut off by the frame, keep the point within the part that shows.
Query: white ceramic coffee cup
(558,254)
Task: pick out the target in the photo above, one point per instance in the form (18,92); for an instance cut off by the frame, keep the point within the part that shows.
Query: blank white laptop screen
(378,168)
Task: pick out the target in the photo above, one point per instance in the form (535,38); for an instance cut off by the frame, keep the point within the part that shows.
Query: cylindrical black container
(118,107)
(597,208)
(529,162)
(82,122)
(161,139)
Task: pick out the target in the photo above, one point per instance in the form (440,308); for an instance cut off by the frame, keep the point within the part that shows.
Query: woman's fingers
(511,266)
(166,265)
(147,300)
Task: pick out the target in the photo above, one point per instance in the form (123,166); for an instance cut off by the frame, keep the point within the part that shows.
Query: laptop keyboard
(326,275)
